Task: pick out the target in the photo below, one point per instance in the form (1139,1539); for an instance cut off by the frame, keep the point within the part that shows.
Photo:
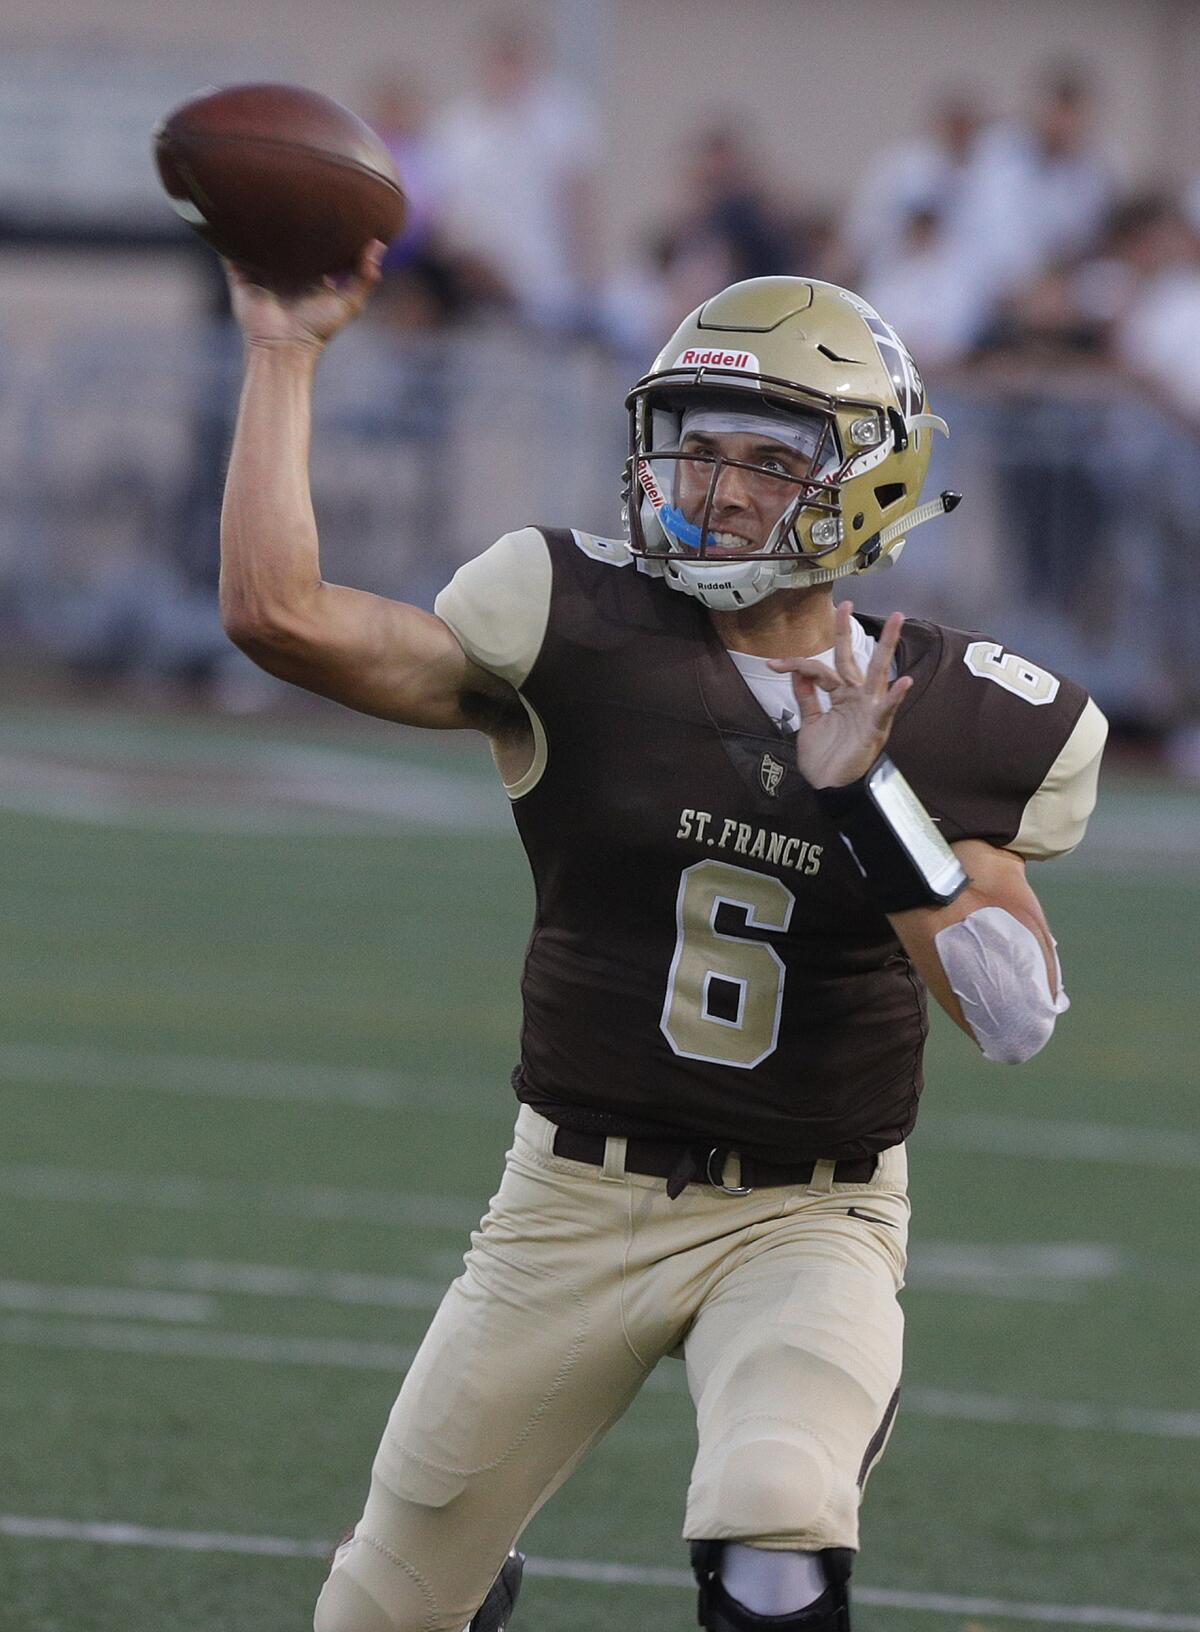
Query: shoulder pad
(614,551)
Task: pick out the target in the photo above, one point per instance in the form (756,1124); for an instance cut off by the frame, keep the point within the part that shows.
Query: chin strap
(876,558)
(805,578)
(903,525)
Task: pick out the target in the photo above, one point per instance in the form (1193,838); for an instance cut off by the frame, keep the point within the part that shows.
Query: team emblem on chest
(770,774)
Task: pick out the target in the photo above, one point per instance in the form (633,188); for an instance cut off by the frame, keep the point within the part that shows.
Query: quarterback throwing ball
(762,829)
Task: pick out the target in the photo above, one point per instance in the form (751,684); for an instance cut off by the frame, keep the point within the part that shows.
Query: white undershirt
(774,691)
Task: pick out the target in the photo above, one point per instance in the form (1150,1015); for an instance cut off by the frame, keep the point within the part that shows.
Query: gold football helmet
(814,368)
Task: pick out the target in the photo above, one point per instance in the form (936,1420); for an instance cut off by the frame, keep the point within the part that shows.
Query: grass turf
(399,947)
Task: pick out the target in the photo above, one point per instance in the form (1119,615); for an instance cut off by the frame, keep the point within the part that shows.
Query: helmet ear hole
(889,493)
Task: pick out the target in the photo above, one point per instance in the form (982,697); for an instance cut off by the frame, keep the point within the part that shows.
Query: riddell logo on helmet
(652,489)
(745,360)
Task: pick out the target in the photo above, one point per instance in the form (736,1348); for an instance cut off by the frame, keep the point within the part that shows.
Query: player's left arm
(989,957)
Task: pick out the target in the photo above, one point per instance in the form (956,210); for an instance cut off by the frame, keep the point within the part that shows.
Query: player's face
(750,494)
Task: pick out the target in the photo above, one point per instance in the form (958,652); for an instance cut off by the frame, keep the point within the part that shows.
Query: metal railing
(1077,542)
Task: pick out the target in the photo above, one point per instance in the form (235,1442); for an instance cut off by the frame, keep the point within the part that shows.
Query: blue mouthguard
(680,528)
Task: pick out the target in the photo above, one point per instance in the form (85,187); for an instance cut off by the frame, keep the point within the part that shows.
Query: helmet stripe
(902,370)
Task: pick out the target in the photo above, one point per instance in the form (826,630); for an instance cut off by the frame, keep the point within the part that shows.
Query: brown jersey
(705,961)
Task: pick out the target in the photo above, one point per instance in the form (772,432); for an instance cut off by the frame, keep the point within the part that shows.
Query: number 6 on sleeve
(1024,679)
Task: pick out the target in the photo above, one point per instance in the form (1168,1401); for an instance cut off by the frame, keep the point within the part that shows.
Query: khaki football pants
(579,1281)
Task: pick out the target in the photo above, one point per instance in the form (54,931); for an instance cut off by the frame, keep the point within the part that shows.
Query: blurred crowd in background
(1056,315)
(981,237)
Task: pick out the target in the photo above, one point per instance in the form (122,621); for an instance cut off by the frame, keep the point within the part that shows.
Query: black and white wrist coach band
(900,853)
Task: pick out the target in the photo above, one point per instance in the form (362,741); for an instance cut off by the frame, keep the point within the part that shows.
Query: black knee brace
(493,1614)
(718,1612)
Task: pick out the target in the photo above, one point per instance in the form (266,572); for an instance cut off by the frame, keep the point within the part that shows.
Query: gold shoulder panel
(1055,819)
(498,605)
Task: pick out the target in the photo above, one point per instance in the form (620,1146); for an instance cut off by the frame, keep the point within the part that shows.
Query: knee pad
(718,1612)
(776,1487)
(344,1606)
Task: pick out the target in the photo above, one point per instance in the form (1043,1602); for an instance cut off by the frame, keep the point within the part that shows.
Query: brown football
(281,180)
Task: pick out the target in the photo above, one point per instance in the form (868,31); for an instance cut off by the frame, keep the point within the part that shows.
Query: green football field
(260,1004)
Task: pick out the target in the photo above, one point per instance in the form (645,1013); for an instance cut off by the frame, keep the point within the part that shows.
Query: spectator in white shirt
(1039,193)
(516,163)
(925,290)
(916,176)
(1156,338)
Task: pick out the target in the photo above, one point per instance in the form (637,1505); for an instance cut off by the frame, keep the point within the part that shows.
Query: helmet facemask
(788,475)
(680,480)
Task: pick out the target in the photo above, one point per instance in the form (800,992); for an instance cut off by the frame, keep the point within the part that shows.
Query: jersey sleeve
(997,747)
(1056,817)
(498,605)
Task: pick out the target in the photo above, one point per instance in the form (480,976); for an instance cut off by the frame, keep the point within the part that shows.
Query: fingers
(848,675)
(370,261)
(807,674)
(885,650)
(804,689)
(241,277)
(367,267)
(811,668)
(843,646)
(354,289)
(356,285)
(895,696)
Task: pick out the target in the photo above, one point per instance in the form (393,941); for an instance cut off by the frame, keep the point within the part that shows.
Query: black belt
(682,1165)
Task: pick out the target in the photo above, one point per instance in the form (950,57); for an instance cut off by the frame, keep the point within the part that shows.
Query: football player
(761,829)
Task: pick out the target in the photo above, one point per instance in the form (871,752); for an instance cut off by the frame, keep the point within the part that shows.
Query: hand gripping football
(287,183)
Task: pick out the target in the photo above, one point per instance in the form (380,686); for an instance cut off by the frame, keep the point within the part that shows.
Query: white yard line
(347,1354)
(592,1572)
(290,788)
(161,1342)
(1103,1615)
(284,1081)
(1040,1272)
(103,808)
(335,1286)
(174,1191)
(42,1298)
(303,1082)
(406,793)
(1013,1271)
(1121,1419)
(281,790)
(22,1528)
(1043,1139)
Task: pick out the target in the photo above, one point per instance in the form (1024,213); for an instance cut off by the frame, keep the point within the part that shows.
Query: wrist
(905,862)
(833,789)
(295,349)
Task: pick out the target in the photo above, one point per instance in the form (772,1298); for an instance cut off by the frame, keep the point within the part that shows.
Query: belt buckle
(726,1189)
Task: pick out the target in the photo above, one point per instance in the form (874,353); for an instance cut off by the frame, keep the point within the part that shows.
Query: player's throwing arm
(377,655)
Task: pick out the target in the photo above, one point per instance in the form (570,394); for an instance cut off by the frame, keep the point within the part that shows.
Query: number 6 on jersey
(724,993)
(990,661)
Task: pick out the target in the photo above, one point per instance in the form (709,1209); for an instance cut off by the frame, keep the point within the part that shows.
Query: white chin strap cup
(723,586)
